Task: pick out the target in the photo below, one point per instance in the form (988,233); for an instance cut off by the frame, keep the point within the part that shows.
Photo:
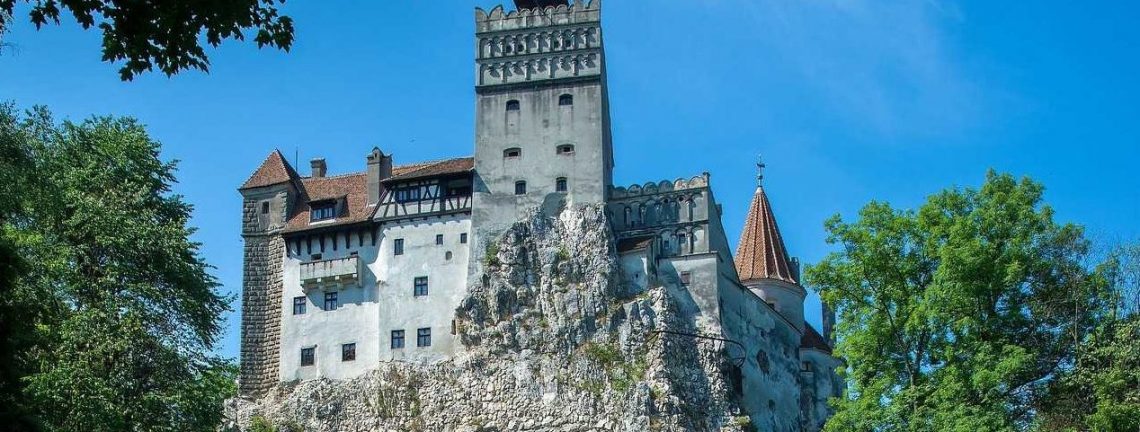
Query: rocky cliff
(554,342)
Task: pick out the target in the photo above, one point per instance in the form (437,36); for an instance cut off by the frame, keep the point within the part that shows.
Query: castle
(342,273)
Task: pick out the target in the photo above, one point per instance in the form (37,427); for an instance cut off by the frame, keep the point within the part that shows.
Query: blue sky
(848,100)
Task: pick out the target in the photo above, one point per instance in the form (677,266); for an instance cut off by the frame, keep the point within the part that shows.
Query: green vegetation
(108,313)
(977,312)
(621,374)
(260,424)
(146,35)
(491,257)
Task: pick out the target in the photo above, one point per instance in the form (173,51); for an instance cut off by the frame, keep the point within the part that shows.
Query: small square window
(398,247)
(463,238)
(520,188)
(566,100)
(686,277)
(397,339)
(330,301)
(512,105)
(512,153)
(299,305)
(421,286)
(308,356)
(348,352)
(265,207)
(560,184)
(423,337)
(564,149)
(439,239)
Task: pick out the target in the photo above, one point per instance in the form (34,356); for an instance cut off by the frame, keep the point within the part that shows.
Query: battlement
(651,188)
(581,11)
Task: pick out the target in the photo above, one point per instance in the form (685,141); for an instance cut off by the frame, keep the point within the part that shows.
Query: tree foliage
(166,34)
(118,309)
(957,316)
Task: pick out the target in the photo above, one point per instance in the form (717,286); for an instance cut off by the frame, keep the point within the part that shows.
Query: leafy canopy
(166,34)
(117,308)
(956,316)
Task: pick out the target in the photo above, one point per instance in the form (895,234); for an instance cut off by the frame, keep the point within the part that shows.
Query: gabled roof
(431,169)
(274,170)
(812,339)
(761,253)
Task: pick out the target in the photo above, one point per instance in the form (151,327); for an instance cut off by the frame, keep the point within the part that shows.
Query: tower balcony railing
(331,273)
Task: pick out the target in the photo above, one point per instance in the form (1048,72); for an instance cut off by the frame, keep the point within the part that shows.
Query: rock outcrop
(554,342)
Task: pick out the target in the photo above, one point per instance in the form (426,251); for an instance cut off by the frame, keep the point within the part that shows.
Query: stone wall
(261,296)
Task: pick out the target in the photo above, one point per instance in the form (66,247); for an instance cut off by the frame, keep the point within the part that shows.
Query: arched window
(564,149)
(512,153)
(560,184)
(566,100)
(512,105)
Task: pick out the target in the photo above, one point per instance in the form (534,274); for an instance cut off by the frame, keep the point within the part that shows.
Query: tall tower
(266,200)
(762,260)
(542,124)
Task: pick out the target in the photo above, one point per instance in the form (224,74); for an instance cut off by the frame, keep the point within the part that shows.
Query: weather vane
(760,170)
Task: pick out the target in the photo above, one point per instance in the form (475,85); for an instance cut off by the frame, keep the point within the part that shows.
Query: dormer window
(564,149)
(566,100)
(322,211)
(512,153)
(512,105)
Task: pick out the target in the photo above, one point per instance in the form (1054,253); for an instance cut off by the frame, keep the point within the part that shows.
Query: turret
(762,261)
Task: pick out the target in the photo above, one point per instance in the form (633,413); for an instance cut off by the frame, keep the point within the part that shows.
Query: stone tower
(266,198)
(542,124)
(763,264)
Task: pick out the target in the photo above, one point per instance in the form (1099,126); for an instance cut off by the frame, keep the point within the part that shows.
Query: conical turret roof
(761,253)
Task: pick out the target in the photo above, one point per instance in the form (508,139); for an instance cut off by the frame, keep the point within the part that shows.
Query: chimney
(319,167)
(379,168)
(828,325)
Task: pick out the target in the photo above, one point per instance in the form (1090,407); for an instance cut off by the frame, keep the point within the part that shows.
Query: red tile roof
(274,170)
(812,339)
(353,188)
(761,253)
(434,168)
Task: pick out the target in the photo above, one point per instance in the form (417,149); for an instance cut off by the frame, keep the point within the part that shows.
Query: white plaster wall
(787,298)
(354,320)
(447,284)
(635,270)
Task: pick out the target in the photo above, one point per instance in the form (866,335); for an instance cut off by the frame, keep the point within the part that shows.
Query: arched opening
(512,105)
(512,153)
(566,100)
(560,184)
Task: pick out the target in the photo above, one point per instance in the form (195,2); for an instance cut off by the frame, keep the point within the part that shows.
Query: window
(512,105)
(447,256)
(406,194)
(397,339)
(423,337)
(348,352)
(520,188)
(299,305)
(453,327)
(439,239)
(686,277)
(398,247)
(421,286)
(315,257)
(463,238)
(322,211)
(564,149)
(265,207)
(512,152)
(560,184)
(330,301)
(308,356)
(566,100)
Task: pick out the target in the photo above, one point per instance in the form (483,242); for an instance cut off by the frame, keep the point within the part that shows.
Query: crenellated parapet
(663,186)
(497,19)
(540,44)
(675,212)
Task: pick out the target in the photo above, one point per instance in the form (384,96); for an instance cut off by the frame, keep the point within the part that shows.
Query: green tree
(166,34)
(955,317)
(125,309)
(1101,390)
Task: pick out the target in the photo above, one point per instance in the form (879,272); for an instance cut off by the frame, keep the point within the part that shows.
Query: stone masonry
(261,300)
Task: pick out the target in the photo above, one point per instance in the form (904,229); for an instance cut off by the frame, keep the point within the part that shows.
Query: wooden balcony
(331,274)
